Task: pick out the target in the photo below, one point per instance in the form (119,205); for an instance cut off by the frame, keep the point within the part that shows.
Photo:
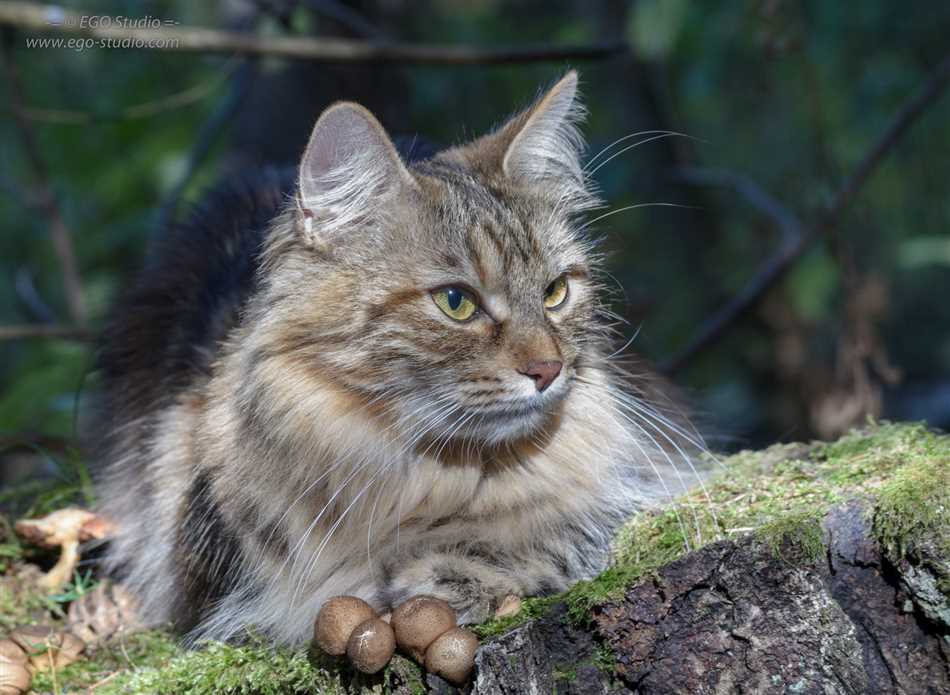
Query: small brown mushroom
(11,653)
(14,674)
(452,655)
(15,678)
(371,645)
(418,621)
(66,529)
(336,621)
(47,648)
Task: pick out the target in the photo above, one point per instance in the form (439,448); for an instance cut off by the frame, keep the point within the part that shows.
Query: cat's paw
(473,589)
(510,605)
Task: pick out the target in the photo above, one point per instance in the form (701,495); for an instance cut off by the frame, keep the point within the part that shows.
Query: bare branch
(792,239)
(46,330)
(774,269)
(54,19)
(45,199)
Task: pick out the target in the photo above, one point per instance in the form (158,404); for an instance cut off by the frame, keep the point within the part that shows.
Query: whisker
(662,136)
(597,156)
(634,207)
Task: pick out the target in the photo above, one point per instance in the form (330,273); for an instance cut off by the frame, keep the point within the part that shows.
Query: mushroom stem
(62,571)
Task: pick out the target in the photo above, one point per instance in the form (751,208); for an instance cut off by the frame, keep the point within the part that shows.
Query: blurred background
(812,172)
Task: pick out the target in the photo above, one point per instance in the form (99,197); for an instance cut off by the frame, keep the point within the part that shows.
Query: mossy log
(803,568)
(843,591)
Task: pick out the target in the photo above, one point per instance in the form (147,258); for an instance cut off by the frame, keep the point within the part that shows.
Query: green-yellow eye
(556,293)
(455,303)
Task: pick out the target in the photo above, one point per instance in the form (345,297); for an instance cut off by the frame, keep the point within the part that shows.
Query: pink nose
(543,373)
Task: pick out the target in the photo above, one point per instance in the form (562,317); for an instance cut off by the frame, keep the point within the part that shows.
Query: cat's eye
(555,293)
(455,302)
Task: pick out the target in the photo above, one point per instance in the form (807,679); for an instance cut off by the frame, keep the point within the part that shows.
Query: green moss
(913,507)
(405,675)
(605,660)
(796,537)
(219,668)
(530,608)
(143,650)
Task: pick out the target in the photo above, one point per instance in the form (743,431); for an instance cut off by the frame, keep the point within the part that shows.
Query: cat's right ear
(349,169)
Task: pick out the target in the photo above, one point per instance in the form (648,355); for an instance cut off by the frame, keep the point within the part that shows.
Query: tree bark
(737,617)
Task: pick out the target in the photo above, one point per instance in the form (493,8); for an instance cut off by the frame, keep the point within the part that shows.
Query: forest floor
(778,511)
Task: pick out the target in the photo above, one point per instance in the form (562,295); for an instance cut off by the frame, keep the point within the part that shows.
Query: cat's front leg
(473,587)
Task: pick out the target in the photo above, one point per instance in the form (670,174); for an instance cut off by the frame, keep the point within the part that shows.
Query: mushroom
(47,648)
(65,528)
(371,645)
(14,674)
(15,679)
(337,619)
(418,621)
(452,655)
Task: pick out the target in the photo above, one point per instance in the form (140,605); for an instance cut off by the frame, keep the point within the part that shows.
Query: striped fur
(289,416)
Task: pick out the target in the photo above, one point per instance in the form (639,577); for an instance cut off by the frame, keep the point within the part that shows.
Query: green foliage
(80,585)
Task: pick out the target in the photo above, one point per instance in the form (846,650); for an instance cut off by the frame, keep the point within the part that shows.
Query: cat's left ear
(543,144)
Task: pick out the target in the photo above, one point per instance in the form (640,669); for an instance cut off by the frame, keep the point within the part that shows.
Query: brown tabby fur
(289,416)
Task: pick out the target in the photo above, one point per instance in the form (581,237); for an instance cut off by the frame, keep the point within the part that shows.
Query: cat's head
(455,295)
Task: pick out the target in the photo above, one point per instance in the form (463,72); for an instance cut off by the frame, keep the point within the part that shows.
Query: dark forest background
(815,168)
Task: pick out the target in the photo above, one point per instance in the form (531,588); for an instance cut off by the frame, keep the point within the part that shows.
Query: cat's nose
(543,373)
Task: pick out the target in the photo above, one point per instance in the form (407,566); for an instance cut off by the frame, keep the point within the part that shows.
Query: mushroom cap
(62,526)
(452,655)
(418,621)
(15,679)
(45,647)
(371,645)
(96,528)
(11,653)
(336,621)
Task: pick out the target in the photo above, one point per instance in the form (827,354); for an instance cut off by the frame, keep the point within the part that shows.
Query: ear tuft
(347,170)
(546,144)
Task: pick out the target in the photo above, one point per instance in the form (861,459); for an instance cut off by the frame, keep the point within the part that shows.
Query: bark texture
(739,617)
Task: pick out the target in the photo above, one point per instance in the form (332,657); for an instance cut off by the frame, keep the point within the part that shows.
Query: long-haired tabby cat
(393,380)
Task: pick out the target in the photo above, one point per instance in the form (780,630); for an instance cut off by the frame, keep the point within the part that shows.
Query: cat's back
(165,331)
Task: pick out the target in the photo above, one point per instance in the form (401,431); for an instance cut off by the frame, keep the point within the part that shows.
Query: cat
(376,377)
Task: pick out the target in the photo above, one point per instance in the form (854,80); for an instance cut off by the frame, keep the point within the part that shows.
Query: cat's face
(475,310)
(465,304)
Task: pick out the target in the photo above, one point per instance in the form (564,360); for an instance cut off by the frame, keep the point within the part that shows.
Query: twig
(792,239)
(347,17)
(51,18)
(45,200)
(145,109)
(46,330)
(775,268)
(756,196)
